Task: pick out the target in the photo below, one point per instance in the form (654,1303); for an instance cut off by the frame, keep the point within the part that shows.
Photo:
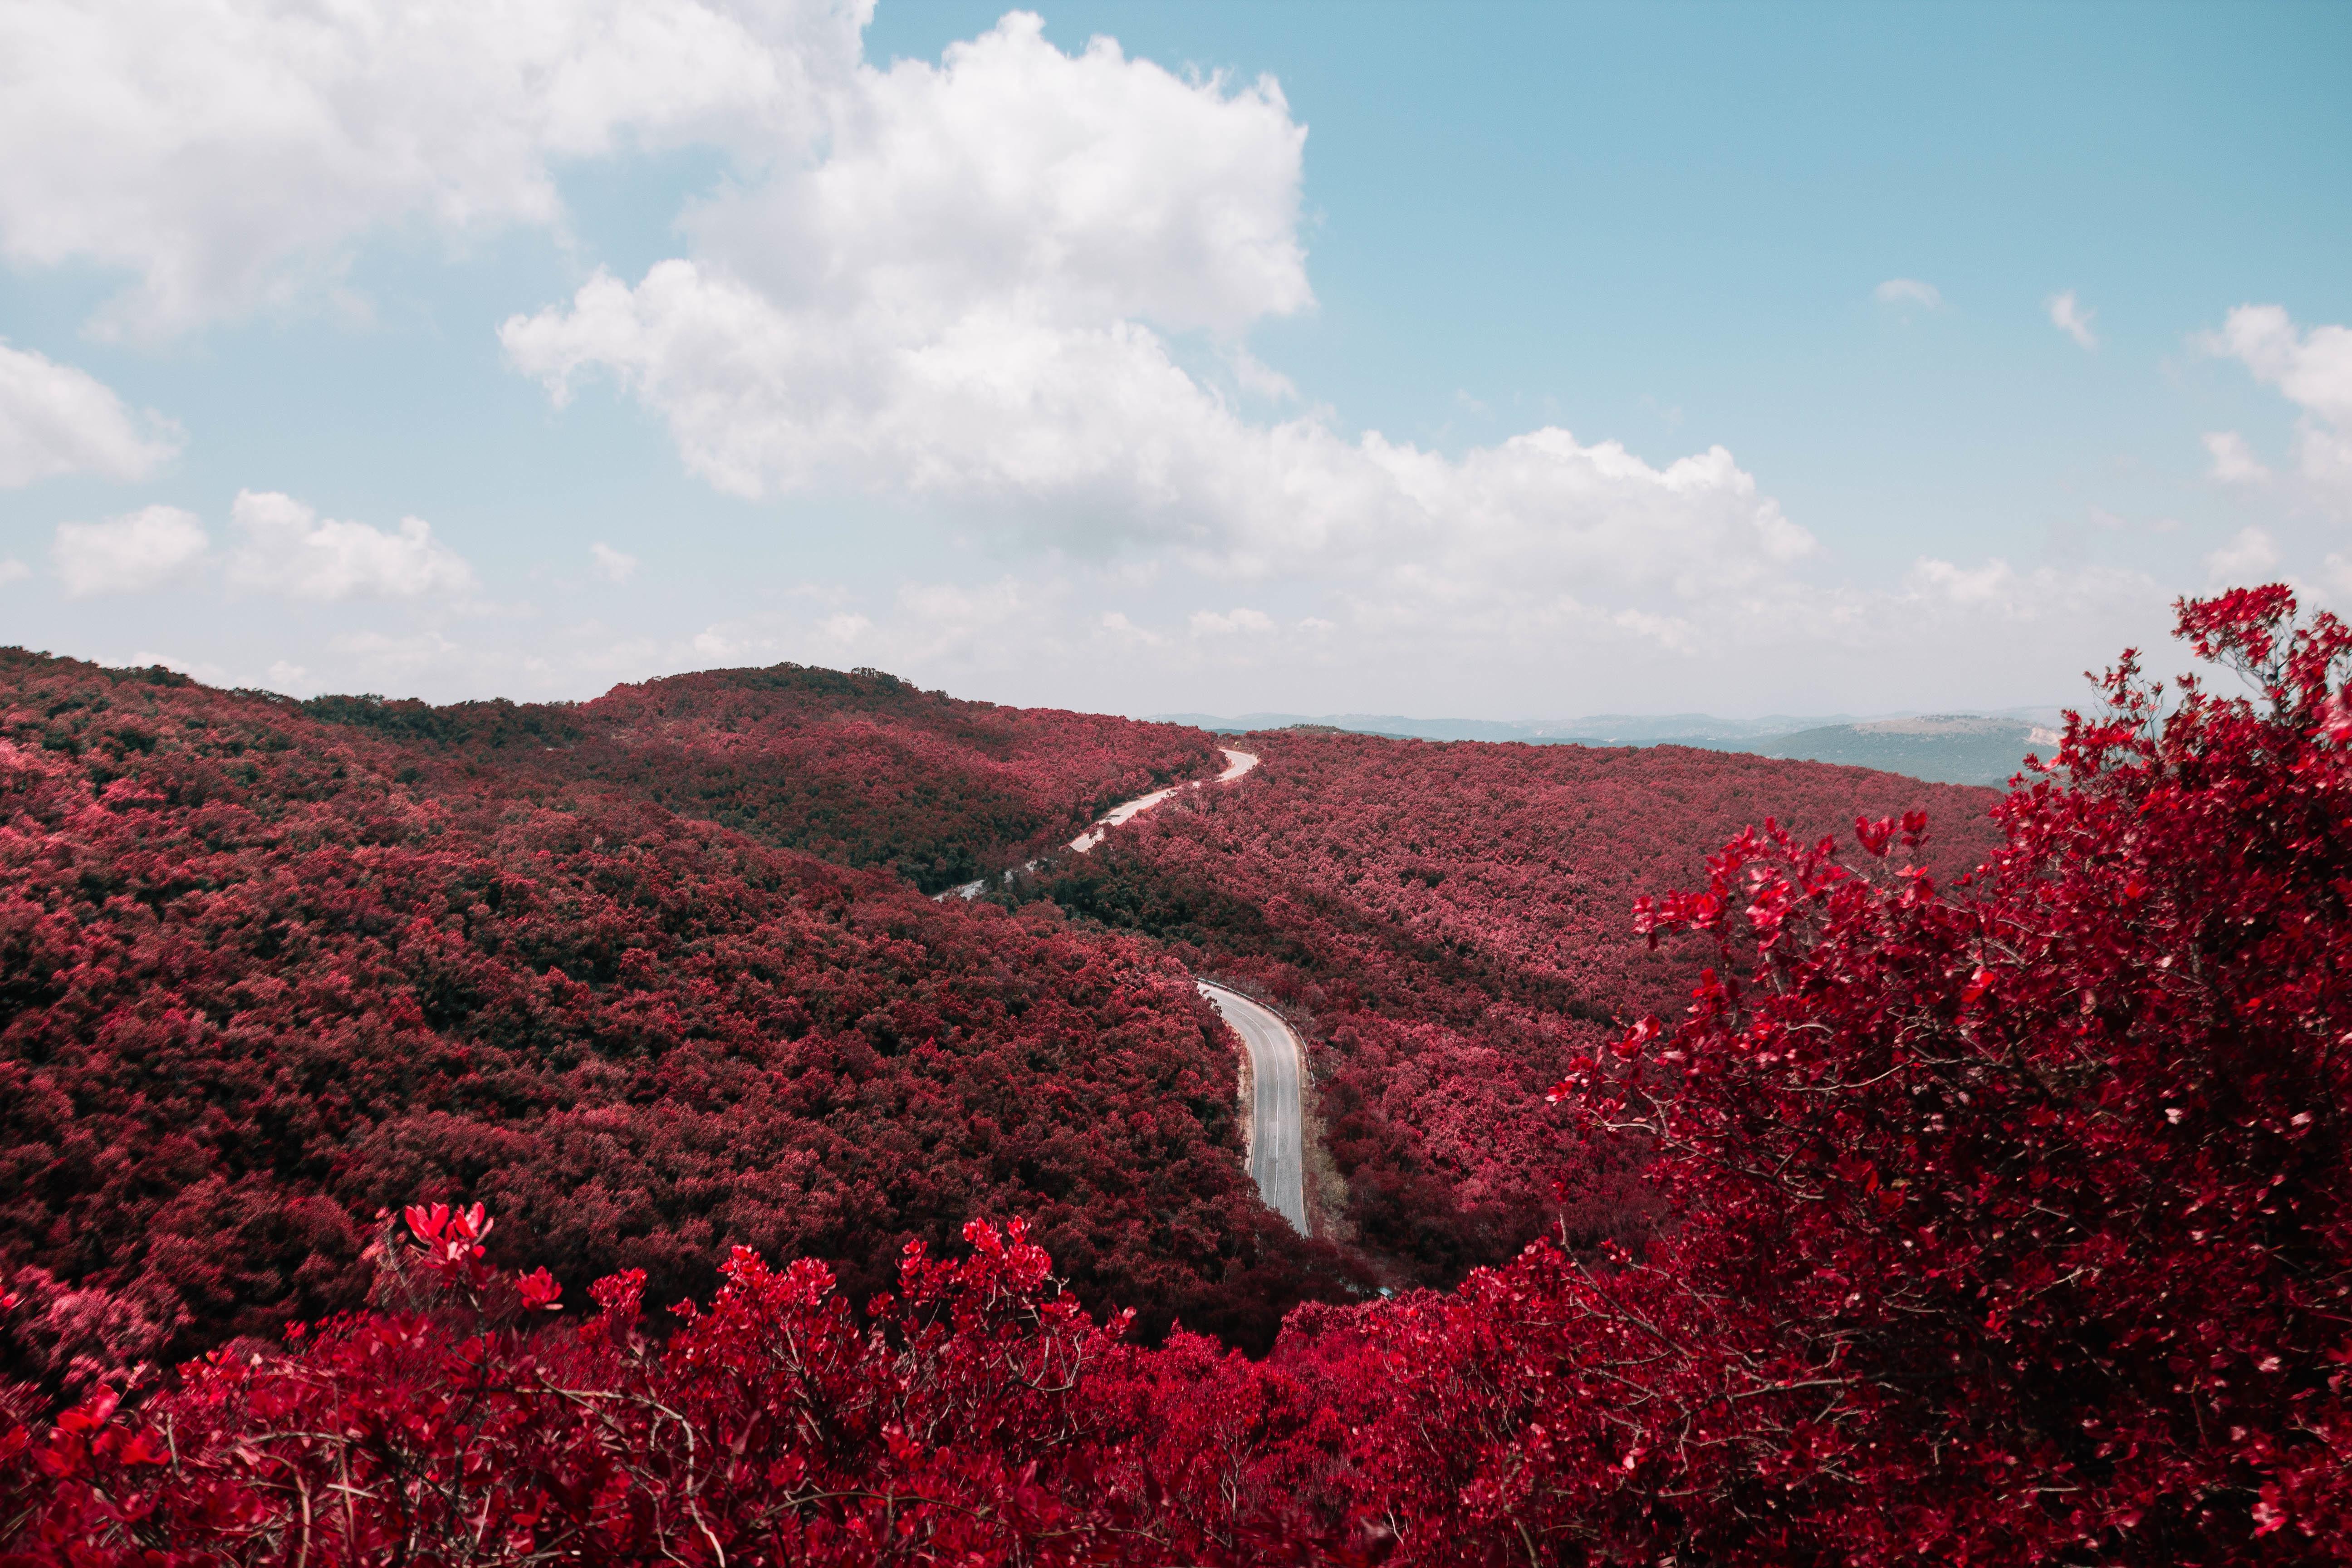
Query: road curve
(1236,764)
(1277,1139)
(1277,1132)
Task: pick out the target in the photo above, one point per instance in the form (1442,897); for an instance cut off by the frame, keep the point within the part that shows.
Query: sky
(1492,361)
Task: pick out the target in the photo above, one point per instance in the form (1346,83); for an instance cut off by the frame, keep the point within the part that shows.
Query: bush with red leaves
(2011,1223)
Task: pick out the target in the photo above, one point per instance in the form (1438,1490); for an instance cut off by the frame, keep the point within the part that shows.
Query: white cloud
(2314,370)
(2068,316)
(1211,624)
(1908,291)
(1115,623)
(289,549)
(1993,583)
(976,293)
(194,668)
(2245,560)
(610,563)
(56,419)
(128,554)
(1261,380)
(2234,462)
(229,154)
(13,570)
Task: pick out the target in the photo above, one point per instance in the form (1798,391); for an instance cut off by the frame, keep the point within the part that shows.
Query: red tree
(2010,1224)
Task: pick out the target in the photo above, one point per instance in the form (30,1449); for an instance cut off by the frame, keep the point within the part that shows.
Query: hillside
(265,975)
(1995,1217)
(858,768)
(1449,921)
(1936,748)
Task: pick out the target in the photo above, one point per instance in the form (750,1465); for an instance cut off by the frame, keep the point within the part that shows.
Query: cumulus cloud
(1909,292)
(289,549)
(976,291)
(13,570)
(228,154)
(2066,314)
(611,564)
(2312,369)
(56,420)
(2246,558)
(133,554)
(2234,462)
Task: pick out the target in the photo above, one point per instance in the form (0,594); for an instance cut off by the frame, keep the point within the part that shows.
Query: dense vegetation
(2003,1218)
(1449,923)
(861,768)
(257,987)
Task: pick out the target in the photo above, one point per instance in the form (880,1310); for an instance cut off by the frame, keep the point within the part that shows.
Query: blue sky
(1498,361)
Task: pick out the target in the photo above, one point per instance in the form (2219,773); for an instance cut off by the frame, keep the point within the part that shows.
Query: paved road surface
(1276,1138)
(1236,764)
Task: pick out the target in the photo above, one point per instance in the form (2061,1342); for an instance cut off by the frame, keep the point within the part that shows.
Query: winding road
(1277,1140)
(1277,1135)
(1236,764)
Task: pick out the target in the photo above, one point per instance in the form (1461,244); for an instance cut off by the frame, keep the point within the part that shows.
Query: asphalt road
(1277,1140)
(1277,1134)
(1236,764)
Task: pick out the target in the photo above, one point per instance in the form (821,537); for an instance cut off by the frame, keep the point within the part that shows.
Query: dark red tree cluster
(253,988)
(1447,922)
(860,768)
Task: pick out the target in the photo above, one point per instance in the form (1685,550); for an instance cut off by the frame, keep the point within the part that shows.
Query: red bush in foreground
(2010,1224)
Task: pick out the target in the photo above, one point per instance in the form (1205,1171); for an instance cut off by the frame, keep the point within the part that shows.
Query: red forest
(1997,1216)
(858,768)
(258,988)
(1449,923)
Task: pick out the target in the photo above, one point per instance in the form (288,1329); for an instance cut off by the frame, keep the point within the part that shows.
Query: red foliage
(861,769)
(256,988)
(2011,1226)
(2010,1220)
(1447,921)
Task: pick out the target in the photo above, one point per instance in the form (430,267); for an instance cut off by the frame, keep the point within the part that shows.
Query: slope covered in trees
(858,768)
(2006,1223)
(1449,921)
(256,986)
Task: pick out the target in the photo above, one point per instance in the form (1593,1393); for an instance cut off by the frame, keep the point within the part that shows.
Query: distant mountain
(1600,729)
(1946,748)
(1941,748)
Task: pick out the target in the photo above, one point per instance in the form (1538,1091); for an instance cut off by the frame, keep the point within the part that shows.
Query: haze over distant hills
(1943,748)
